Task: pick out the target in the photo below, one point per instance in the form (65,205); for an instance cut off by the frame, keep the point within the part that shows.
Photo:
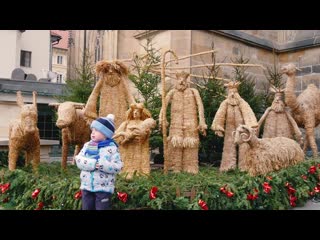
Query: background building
(60,56)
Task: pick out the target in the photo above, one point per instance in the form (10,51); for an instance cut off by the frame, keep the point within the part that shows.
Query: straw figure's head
(29,113)
(137,111)
(111,72)
(243,134)
(289,69)
(233,95)
(277,104)
(182,81)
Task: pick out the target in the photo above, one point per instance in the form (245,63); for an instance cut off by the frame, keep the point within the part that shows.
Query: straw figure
(267,154)
(113,91)
(232,112)
(74,128)
(183,139)
(24,134)
(133,137)
(278,121)
(305,108)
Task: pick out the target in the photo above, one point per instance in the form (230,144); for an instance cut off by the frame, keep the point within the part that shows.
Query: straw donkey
(305,107)
(24,134)
(267,154)
(73,126)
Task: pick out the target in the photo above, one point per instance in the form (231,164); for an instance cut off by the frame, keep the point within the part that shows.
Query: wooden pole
(164,108)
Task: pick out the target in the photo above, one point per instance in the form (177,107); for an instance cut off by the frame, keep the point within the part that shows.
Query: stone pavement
(310,205)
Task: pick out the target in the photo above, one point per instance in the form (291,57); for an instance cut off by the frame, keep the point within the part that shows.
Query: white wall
(8,50)
(37,42)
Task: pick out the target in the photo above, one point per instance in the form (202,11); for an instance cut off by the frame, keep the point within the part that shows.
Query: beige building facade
(25,49)
(60,57)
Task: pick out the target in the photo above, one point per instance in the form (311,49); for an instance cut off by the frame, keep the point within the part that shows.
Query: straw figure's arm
(264,116)
(295,127)
(90,110)
(121,135)
(168,100)
(127,93)
(202,122)
(219,120)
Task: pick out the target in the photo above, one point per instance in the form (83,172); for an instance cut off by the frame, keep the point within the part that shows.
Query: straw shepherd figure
(73,126)
(183,139)
(24,134)
(113,91)
(232,112)
(133,137)
(267,154)
(278,121)
(305,108)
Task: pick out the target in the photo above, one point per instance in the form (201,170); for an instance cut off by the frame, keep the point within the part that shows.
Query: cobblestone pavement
(310,205)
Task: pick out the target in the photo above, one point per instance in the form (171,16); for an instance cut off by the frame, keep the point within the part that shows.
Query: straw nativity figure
(305,108)
(183,139)
(133,137)
(278,121)
(113,90)
(232,112)
(24,134)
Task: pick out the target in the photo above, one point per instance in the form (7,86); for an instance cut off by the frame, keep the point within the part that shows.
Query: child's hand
(97,165)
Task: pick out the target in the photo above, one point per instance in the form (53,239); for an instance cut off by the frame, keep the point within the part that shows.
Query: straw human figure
(113,90)
(278,121)
(24,134)
(133,137)
(183,139)
(232,112)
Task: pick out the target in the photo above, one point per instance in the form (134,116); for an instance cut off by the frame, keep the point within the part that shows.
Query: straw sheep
(74,128)
(24,134)
(267,154)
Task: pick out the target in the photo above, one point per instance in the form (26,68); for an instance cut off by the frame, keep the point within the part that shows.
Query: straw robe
(112,88)
(232,112)
(278,121)
(133,137)
(183,139)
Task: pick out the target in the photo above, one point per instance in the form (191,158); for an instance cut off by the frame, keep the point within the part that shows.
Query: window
(25,58)
(59,59)
(47,122)
(59,78)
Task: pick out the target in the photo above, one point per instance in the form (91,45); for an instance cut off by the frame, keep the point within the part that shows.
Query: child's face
(97,136)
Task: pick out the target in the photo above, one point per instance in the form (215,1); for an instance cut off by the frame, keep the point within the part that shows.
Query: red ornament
(312,169)
(78,195)
(4,187)
(252,197)
(304,177)
(40,206)
(293,200)
(153,193)
(35,193)
(223,189)
(316,189)
(266,187)
(311,193)
(5,200)
(229,194)
(123,197)
(203,204)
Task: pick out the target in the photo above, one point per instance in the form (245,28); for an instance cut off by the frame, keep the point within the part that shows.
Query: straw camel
(305,108)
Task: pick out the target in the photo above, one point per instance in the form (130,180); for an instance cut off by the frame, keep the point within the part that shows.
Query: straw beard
(182,87)
(277,106)
(112,79)
(235,100)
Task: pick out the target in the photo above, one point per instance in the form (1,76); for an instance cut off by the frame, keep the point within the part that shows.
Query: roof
(63,43)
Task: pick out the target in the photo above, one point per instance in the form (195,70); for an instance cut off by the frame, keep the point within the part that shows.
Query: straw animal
(24,134)
(305,108)
(113,90)
(232,112)
(133,137)
(183,139)
(74,128)
(267,154)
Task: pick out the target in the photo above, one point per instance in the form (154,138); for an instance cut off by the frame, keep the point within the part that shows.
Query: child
(99,161)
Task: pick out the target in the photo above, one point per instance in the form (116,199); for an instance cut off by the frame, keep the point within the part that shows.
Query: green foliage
(147,85)
(247,90)
(212,93)
(80,88)
(58,189)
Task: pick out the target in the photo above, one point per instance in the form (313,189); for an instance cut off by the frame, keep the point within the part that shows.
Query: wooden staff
(164,108)
(218,64)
